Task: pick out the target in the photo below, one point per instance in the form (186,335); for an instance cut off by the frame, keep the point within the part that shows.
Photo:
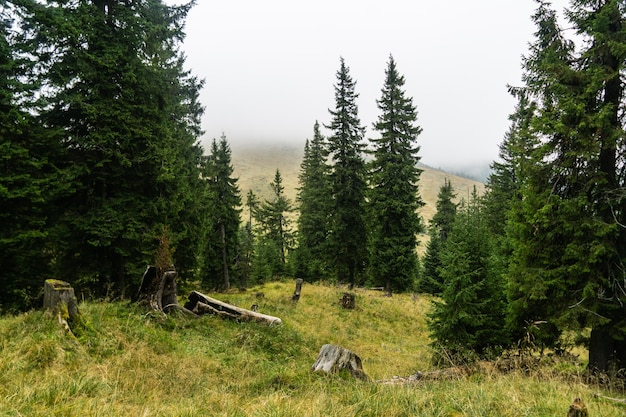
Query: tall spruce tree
(468,319)
(348,236)
(221,229)
(394,198)
(569,240)
(314,201)
(115,95)
(439,230)
(276,237)
(504,184)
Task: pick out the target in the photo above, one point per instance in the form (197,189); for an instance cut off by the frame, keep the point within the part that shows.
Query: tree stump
(577,409)
(334,358)
(296,294)
(158,291)
(348,301)
(59,299)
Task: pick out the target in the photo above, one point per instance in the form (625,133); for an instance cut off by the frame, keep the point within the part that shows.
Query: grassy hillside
(128,363)
(256,164)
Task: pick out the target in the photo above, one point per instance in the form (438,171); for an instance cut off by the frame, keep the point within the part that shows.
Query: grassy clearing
(128,364)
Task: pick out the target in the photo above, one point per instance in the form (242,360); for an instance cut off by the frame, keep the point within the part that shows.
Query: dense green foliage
(347,181)
(221,227)
(393,195)
(26,177)
(569,242)
(472,309)
(103,142)
(440,228)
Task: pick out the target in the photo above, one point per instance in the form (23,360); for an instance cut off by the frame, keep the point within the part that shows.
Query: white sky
(269,67)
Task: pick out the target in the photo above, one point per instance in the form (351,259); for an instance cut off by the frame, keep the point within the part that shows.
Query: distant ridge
(255,165)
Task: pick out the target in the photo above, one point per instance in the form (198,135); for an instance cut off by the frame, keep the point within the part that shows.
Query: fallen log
(454,373)
(334,358)
(203,304)
(615,400)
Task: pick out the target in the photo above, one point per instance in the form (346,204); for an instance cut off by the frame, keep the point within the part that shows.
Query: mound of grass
(128,363)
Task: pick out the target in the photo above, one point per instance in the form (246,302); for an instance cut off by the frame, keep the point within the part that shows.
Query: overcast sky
(269,67)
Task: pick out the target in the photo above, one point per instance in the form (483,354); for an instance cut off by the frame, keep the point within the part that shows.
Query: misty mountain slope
(255,165)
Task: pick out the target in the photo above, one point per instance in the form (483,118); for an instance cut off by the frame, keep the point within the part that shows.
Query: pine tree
(569,245)
(222,226)
(314,206)
(439,230)
(504,182)
(503,194)
(394,196)
(125,111)
(468,319)
(276,237)
(348,181)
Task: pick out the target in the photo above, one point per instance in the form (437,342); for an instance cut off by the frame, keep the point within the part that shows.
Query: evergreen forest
(101,159)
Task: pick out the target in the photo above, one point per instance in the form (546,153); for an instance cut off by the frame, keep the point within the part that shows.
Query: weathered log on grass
(203,304)
(296,293)
(454,373)
(332,359)
(615,400)
(59,299)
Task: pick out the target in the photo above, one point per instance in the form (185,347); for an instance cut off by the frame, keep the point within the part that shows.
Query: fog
(269,67)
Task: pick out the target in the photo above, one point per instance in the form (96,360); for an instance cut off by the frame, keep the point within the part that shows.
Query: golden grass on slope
(255,164)
(127,363)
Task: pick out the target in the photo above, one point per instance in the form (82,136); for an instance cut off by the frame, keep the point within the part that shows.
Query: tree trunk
(203,304)
(224,257)
(333,359)
(600,350)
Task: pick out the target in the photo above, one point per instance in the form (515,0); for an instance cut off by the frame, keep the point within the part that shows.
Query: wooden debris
(615,400)
(334,358)
(454,373)
(203,304)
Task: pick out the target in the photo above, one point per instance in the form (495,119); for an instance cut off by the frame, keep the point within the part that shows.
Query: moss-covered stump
(59,299)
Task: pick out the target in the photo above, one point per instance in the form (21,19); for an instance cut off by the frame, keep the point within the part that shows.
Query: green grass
(128,363)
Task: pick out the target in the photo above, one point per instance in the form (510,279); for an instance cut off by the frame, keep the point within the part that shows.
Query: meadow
(127,362)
